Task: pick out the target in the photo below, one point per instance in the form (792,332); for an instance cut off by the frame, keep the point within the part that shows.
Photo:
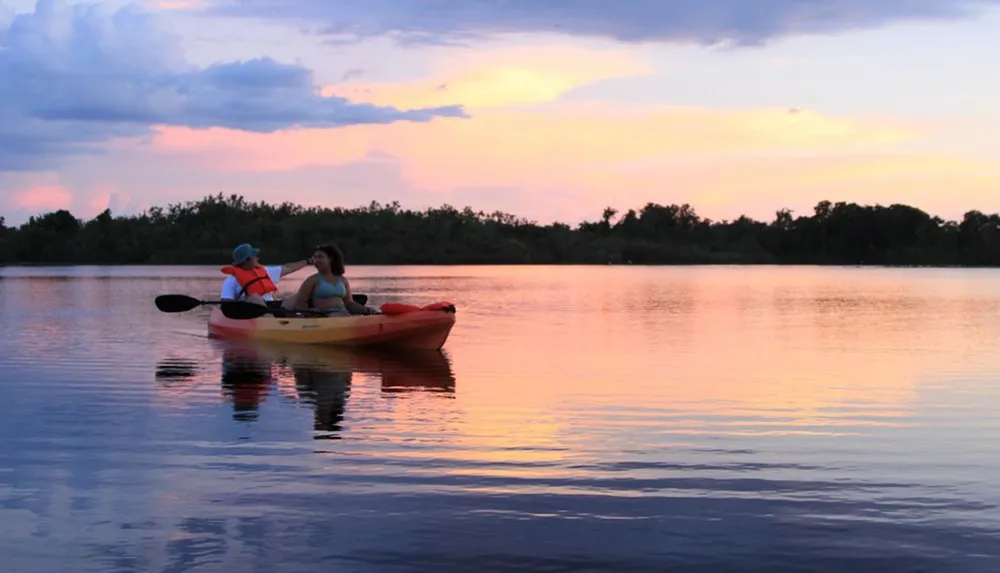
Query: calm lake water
(579,419)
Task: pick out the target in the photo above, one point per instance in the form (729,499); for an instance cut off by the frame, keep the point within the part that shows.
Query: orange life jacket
(255,281)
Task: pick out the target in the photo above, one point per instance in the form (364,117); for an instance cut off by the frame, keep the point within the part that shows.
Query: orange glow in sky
(557,126)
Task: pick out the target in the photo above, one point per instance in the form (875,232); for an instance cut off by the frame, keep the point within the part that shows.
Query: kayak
(407,327)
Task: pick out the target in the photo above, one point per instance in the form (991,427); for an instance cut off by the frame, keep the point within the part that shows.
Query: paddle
(184,303)
(180,302)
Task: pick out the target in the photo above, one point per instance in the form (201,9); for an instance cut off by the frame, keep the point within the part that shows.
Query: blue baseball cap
(244,252)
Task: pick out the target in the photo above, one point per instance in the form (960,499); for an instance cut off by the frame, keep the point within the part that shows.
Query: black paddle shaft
(183,303)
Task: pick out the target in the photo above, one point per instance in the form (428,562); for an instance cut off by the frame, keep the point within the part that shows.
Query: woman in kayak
(329,290)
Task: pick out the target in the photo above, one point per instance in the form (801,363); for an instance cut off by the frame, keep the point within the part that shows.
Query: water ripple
(684,420)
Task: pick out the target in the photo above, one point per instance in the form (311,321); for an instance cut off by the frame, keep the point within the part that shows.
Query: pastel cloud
(528,75)
(520,121)
(754,181)
(76,78)
(43,198)
(525,146)
(178,4)
(740,22)
(568,164)
(547,140)
(152,127)
(522,75)
(23,194)
(554,144)
(428,167)
(759,183)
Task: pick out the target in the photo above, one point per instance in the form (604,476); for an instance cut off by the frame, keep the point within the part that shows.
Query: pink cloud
(501,77)
(583,147)
(228,150)
(43,198)
(561,163)
(512,76)
(556,146)
(527,152)
(760,183)
(177,4)
(26,194)
(719,185)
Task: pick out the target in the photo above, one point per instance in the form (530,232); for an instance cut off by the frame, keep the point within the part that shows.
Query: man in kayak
(250,281)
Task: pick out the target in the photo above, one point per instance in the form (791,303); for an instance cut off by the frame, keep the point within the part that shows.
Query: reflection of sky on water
(729,418)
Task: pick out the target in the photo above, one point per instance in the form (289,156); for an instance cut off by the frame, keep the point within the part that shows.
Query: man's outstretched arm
(289,268)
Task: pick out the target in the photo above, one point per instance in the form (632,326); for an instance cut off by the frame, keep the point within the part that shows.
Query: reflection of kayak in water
(246,382)
(321,376)
(400,369)
(424,328)
(318,376)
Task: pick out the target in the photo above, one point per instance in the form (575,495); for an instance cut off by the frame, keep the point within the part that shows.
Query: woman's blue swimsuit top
(324,289)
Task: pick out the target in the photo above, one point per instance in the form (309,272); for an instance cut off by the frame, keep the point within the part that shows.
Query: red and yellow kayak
(400,326)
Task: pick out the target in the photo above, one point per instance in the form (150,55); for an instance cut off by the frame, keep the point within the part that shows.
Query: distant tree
(205,231)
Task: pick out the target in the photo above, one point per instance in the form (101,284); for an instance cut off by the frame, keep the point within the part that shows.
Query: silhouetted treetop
(205,231)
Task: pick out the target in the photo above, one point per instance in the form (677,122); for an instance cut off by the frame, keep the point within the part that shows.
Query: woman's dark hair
(336,258)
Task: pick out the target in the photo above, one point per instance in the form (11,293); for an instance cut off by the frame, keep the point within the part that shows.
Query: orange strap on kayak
(391,308)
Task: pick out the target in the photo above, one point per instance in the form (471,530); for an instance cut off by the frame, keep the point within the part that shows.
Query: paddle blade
(176,303)
(361,299)
(240,310)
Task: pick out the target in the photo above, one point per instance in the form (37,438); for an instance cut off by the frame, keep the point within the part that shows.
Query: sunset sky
(549,109)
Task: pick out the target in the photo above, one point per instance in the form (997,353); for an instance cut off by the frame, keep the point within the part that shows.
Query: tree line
(205,231)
